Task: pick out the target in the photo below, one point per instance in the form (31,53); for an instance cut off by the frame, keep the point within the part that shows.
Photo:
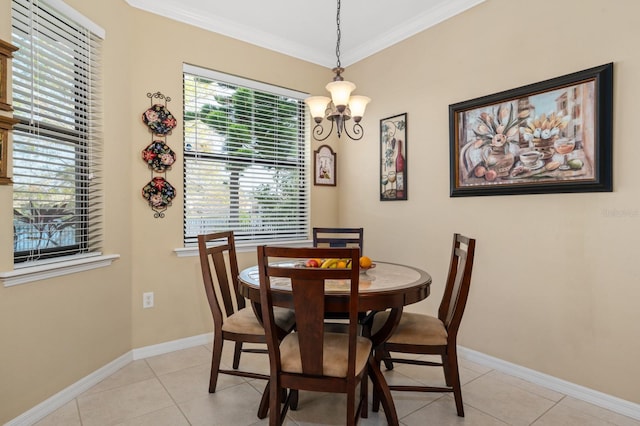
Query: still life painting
(553,136)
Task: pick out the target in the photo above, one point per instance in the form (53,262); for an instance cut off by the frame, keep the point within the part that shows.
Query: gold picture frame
(6,124)
(6,52)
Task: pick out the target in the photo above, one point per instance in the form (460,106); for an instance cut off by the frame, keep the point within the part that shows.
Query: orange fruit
(365,262)
(342,264)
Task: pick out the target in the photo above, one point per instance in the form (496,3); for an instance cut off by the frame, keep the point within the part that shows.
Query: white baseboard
(73,391)
(591,396)
(612,403)
(51,404)
(174,345)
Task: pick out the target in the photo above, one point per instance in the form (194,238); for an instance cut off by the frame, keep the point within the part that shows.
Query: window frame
(34,131)
(303,164)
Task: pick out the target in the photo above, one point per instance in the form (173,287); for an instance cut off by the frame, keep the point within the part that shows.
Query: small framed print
(324,166)
(393,158)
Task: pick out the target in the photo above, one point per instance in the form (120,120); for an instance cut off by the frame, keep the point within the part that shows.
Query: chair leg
(387,363)
(364,392)
(275,399)
(375,401)
(215,361)
(447,369)
(263,409)
(351,407)
(455,380)
(236,355)
(293,402)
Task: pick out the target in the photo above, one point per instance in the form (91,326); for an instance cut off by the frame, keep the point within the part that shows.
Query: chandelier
(341,107)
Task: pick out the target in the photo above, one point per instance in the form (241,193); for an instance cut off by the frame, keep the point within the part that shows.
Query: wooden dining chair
(312,358)
(425,334)
(232,319)
(342,237)
(338,237)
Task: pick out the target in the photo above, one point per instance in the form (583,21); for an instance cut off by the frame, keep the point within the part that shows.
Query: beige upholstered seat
(311,358)
(425,334)
(414,329)
(335,354)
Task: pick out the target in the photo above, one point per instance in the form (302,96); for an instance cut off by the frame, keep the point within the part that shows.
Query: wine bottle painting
(393,158)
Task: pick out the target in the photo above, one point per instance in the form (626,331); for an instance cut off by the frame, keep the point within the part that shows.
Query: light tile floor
(172,390)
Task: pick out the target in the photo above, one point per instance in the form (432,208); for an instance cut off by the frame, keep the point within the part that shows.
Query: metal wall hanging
(158,155)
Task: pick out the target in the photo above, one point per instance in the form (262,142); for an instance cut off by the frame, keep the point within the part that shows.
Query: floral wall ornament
(158,155)
(159,119)
(159,193)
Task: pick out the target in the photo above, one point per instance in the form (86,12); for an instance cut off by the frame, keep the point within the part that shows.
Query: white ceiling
(306,29)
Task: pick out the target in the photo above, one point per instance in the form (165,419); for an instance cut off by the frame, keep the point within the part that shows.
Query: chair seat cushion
(245,322)
(414,329)
(335,355)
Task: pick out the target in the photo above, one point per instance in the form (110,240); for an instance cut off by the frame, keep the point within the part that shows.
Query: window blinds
(57,152)
(245,159)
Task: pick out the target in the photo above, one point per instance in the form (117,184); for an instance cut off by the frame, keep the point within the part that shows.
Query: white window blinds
(57,151)
(245,159)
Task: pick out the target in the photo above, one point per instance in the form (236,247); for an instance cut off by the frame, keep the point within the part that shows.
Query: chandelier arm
(318,131)
(357,130)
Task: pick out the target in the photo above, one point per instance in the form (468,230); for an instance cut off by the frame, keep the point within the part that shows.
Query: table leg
(381,391)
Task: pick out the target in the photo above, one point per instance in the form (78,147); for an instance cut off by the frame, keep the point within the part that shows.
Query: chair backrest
(218,251)
(456,290)
(308,290)
(338,237)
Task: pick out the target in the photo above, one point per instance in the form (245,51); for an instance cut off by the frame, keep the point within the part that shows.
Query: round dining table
(384,286)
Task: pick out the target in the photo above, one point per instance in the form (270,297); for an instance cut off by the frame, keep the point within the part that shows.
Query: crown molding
(289,46)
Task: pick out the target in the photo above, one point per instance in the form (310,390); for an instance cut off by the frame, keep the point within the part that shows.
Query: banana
(329,263)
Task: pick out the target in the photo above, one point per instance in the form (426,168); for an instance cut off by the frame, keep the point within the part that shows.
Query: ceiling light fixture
(341,107)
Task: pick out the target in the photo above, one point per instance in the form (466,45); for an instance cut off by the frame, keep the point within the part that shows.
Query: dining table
(384,286)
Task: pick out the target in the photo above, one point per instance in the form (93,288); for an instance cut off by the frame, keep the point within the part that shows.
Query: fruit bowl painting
(553,136)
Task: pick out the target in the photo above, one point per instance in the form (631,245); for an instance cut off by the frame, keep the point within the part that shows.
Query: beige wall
(57,331)
(560,299)
(556,284)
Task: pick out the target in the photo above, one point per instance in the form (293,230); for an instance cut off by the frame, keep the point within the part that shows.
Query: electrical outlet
(147,300)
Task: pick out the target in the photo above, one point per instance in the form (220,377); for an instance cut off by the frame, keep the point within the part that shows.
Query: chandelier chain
(339,35)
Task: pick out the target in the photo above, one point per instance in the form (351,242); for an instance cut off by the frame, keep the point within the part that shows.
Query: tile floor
(172,390)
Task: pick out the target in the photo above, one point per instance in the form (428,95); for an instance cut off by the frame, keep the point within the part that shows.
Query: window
(57,190)
(245,159)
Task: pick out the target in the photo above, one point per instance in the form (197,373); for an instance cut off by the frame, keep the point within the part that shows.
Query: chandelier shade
(341,107)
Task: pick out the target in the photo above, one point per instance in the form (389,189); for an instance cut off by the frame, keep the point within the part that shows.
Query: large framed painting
(549,137)
(393,158)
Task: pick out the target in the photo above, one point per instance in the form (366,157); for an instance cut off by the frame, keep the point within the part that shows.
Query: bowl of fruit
(365,263)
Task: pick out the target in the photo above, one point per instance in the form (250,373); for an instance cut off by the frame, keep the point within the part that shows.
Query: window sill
(242,248)
(42,271)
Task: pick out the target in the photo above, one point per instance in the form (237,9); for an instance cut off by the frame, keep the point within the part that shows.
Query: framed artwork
(549,137)
(393,158)
(6,50)
(324,166)
(6,124)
